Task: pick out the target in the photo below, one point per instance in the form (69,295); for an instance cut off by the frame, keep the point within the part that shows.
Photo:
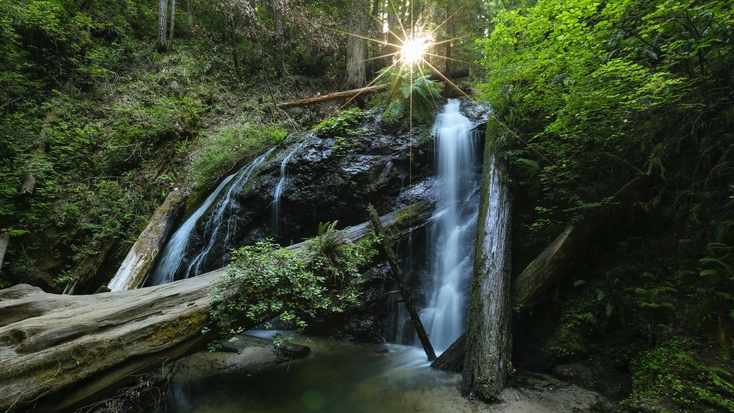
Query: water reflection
(337,377)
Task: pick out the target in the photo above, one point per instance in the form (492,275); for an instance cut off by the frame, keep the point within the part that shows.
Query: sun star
(413,49)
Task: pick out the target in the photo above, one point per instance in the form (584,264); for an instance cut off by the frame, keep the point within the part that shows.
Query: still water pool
(337,377)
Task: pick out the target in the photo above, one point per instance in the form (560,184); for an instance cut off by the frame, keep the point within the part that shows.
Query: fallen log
(365,91)
(142,255)
(404,290)
(58,352)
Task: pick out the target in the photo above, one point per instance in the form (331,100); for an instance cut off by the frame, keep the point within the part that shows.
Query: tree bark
(160,43)
(357,45)
(142,255)
(190,14)
(58,352)
(404,290)
(173,24)
(278,34)
(87,268)
(488,342)
(4,241)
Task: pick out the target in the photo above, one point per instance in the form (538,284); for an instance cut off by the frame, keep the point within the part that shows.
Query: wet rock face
(329,177)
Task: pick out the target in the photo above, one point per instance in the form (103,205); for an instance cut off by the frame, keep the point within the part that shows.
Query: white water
(451,237)
(173,256)
(279,189)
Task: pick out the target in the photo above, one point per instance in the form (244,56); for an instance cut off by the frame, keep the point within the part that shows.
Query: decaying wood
(76,347)
(365,91)
(139,261)
(488,340)
(60,351)
(452,360)
(4,241)
(29,185)
(347,94)
(87,268)
(404,290)
(544,271)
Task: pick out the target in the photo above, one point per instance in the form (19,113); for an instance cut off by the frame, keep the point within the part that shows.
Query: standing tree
(160,42)
(358,23)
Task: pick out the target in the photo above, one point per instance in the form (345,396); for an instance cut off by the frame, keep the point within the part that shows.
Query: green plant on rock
(265,281)
(411,94)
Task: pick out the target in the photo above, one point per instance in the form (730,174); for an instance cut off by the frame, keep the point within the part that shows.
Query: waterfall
(451,237)
(172,259)
(279,189)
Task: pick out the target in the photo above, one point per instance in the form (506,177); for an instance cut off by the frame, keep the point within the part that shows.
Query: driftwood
(142,255)
(404,290)
(365,91)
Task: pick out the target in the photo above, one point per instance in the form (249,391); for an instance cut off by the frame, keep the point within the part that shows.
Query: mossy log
(142,255)
(59,351)
(4,241)
(89,265)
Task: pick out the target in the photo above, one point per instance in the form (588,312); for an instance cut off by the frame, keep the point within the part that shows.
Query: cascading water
(451,237)
(279,189)
(172,259)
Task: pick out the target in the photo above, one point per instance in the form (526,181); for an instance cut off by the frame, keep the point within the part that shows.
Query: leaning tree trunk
(488,342)
(4,241)
(142,255)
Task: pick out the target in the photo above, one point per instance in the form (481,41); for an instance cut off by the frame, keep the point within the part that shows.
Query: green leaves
(264,281)
(411,94)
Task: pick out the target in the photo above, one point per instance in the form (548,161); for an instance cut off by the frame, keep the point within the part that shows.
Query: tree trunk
(4,241)
(142,255)
(544,271)
(77,348)
(87,268)
(58,352)
(357,45)
(173,24)
(404,290)
(190,14)
(160,42)
(488,342)
(278,34)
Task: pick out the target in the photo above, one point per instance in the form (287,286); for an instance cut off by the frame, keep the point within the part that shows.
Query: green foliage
(671,374)
(411,94)
(223,150)
(345,122)
(604,96)
(265,281)
(484,389)
(717,303)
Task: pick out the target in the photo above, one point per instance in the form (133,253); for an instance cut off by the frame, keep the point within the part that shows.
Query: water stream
(451,236)
(279,189)
(173,258)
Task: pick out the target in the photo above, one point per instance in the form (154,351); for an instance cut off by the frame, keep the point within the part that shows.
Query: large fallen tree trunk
(365,91)
(143,253)
(58,352)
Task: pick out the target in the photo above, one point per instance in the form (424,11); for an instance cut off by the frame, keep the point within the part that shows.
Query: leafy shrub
(264,281)
(411,94)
